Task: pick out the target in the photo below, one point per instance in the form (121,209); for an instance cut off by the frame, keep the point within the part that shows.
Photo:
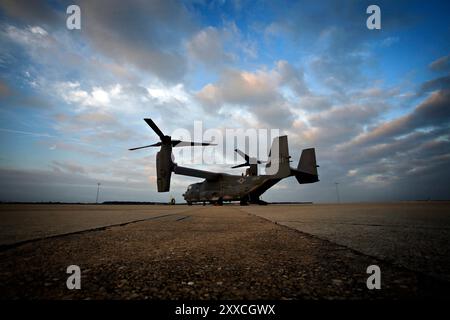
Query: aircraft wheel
(244,201)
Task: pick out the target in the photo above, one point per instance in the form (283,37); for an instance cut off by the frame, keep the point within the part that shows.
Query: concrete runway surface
(229,252)
(412,234)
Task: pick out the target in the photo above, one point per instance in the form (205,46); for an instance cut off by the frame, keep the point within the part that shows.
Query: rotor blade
(178,143)
(154,127)
(240,165)
(243,155)
(150,145)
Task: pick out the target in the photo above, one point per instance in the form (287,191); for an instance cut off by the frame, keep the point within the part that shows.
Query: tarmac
(411,234)
(228,252)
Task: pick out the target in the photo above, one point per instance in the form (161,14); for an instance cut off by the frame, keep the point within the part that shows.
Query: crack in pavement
(364,224)
(8,246)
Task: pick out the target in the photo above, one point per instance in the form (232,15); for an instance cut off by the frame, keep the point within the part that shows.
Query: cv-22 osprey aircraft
(219,187)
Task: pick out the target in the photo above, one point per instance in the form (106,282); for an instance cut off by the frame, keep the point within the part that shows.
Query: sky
(374,103)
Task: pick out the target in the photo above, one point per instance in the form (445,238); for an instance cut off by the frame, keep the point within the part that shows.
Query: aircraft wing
(208,175)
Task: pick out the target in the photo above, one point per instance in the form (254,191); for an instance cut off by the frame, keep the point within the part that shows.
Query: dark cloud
(67,167)
(340,112)
(403,155)
(441,64)
(435,84)
(292,77)
(11,98)
(434,111)
(63,185)
(74,147)
(207,47)
(331,124)
(32,12)
(315,102)
(95,127)
(277,115)
(414,140)
(337,34)
(4,89)
(146,34)
(377,159)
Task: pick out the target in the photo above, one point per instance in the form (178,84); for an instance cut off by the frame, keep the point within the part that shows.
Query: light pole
(98,190)
(337,192)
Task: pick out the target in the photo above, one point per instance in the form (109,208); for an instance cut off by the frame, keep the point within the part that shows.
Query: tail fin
(307,167)
(278,162)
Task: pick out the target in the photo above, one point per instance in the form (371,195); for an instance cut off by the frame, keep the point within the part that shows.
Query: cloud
(69,167)
(4,89)
(292,77)
(434,84)
(207,47)
(144,34)
(433,111)
(241,88)
(315,103)
(64,185)
(12,97)
(95,126)
(389,41)
(316,73)
(96,97)
(35,12)
(402,154)
(329,123)
(33,37)
(261,92)
(74,147)
(441,64)
(335,39)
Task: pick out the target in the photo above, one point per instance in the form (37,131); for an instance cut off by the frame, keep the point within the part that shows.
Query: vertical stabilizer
(278,162)
(307,167)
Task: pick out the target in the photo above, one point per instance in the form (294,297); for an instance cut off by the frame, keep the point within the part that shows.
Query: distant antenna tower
(98,190)
(337,192)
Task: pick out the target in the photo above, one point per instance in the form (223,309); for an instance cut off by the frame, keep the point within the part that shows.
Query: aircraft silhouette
(218,187)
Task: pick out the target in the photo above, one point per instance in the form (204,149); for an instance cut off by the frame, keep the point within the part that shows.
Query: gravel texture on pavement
(202,253)
(414,235)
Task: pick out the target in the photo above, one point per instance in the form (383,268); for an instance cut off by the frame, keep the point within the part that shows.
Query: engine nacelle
(163,169)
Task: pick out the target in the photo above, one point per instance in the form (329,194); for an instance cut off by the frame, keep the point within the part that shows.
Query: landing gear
(189,203)
(244,201)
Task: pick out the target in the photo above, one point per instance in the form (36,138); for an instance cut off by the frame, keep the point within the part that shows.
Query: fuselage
(230,188)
